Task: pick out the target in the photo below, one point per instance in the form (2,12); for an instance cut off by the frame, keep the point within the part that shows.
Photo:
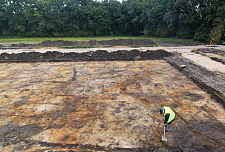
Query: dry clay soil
(105,106)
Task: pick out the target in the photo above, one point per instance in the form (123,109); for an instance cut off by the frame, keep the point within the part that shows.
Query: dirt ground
(100,55)
(178,43)
(59,43)
(107,43)
(107,101)
(214,54)
(103,106)
(216,65)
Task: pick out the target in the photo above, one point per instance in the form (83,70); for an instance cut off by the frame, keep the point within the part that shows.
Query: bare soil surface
(105,106)
(205,61)
(178,43)
(214,54)
(108,43)
(109,101)
(59,43)
(100,55)
(205,78)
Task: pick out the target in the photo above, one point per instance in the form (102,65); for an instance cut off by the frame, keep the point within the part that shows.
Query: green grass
(98,38)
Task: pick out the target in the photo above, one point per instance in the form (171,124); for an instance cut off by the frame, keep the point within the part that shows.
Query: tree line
(201,20)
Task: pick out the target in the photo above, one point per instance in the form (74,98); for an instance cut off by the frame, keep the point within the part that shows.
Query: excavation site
(109,101)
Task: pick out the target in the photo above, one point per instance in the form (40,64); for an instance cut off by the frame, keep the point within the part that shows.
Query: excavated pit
(108,101)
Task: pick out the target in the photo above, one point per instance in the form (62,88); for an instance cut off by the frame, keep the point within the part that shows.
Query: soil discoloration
(108,102)
(214,54)
(208,80)
(110,106)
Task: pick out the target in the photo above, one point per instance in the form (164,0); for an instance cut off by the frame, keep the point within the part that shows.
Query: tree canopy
(201,20)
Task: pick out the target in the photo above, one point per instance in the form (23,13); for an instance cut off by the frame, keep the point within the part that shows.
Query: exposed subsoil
(93,102)
(105,106)
(208,80)
(214,54)
(178,43)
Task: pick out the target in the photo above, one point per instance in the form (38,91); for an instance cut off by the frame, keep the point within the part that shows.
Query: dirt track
(107,105)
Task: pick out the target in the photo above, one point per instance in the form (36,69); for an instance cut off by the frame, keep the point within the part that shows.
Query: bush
(216,33)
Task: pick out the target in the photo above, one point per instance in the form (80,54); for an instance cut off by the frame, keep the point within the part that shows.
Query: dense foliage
(201,20)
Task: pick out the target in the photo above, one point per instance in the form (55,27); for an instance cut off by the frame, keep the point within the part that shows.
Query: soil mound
(215,51)
(59,43)
(126,42)
(119,42)
(62,43)
(100,55)
(178,43)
